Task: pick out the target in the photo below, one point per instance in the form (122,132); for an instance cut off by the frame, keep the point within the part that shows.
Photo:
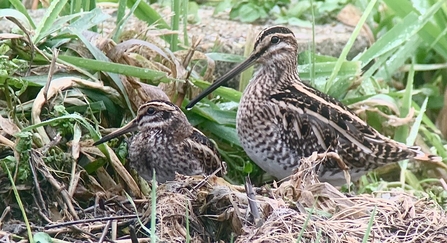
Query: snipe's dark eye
(274,40)
(150,111)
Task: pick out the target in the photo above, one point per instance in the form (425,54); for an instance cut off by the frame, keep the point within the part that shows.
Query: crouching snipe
(167,142)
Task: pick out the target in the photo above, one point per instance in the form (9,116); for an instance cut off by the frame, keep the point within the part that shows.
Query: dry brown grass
(300,208)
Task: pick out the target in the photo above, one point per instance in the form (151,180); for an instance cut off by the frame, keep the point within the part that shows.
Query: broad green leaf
(219,116)
(249,13)
(221,6)
(42,237)
(228,134)
(224,92)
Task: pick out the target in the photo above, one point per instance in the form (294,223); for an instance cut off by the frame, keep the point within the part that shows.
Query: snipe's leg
(341,164)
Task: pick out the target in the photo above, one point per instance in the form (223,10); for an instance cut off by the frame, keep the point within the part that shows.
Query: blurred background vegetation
(63,83)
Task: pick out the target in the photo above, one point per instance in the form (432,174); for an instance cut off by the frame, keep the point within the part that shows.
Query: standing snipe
(281,119)
(167,142)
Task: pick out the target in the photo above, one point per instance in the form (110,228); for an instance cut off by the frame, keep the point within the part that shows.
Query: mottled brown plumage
(167,142)
(281,119)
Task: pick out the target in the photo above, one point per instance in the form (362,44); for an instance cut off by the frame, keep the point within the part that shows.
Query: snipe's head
(275,46)
(154,115)
(160,114)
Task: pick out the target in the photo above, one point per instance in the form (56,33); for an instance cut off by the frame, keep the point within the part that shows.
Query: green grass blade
(86,20)
(224,92)
(321,70)
(349,45)
(306,222)
(313,47)
(440,16)
(427,131)
(75,7)
(143,226)
(23,19)
(246,75)
(119,26)
(20,204)
(48,19)
(99,55)
(402,131)
(430,31)
(395,37)
(414,131)
(229,134)
(185,12)
(92,131)
(21,8)
(59,24)
(175,24)
(120,20)
(370,223)
(107,66)
(145,13)
(398,58)
(153,207)
(324,69)
(188,237)
(225,57)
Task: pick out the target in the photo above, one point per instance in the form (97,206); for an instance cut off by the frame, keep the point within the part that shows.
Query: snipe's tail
(419,155)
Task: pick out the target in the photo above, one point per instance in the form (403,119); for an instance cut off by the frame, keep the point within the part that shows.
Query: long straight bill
(132,126)
(233,72)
